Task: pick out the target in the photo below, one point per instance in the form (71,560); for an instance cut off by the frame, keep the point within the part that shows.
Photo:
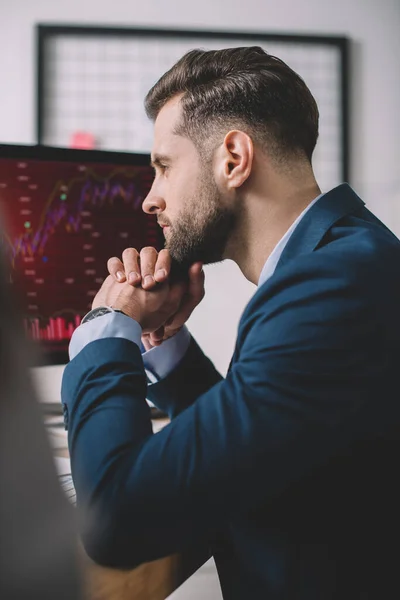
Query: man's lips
(164,227)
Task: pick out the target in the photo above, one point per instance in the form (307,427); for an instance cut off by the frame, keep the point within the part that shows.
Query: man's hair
(244,88)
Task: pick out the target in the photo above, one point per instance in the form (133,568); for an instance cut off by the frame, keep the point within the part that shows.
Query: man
(287,467)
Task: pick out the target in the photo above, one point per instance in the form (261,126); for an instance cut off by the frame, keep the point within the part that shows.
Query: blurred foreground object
(38,547)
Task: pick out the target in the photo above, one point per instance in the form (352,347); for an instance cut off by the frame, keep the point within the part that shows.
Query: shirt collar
(271,262)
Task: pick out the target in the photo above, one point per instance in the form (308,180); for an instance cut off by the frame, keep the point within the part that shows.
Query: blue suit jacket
(288,467)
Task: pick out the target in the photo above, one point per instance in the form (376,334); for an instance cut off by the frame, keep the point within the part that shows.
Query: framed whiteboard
(93,80)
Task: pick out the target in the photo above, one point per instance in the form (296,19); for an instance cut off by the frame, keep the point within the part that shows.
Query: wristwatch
(100,311)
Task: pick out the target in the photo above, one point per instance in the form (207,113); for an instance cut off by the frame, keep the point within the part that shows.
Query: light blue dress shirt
(161,360)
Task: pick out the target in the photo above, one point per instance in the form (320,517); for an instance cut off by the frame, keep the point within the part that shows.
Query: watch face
(96,312)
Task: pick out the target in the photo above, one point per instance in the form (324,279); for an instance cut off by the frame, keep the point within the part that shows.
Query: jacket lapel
(334,205)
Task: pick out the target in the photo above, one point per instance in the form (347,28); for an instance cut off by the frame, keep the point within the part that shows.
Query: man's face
(195,220)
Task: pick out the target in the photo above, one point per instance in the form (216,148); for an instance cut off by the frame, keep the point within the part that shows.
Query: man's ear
(236,159)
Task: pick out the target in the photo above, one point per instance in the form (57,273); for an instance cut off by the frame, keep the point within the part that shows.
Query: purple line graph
(91,194)
(63,222)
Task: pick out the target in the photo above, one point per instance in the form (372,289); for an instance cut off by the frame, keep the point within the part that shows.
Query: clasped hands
(140,286)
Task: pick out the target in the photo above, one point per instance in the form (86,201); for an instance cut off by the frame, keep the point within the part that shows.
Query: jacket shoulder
(356,262)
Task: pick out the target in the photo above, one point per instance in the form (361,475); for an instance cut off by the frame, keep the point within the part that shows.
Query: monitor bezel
(40,152)
(56,153)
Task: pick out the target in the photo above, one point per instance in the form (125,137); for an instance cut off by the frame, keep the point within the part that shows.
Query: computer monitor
(65,213)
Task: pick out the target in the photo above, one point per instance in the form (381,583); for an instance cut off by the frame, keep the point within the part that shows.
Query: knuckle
(148,251)
(113,264)
(108,282)
(164,255)
(148,260)
(129,254)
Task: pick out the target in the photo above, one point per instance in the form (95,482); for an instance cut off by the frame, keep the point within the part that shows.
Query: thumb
(193,294)
(196,283)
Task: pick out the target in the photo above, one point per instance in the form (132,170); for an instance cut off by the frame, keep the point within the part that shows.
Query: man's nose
(153,204)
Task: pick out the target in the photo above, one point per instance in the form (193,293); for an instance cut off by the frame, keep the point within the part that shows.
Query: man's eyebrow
(158,159)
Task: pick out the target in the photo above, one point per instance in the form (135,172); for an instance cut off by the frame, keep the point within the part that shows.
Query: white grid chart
(97,84)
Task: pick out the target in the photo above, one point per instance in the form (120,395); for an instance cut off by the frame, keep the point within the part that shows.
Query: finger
(157,337)
(162,267)
(196,281)
(102,295)
(170,331)
(193,296)
(146,341)
(116,268)
(158,334)
(148,259)
(130,257)
(149,341)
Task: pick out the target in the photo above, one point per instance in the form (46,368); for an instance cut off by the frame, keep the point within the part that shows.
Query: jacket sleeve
(308,360)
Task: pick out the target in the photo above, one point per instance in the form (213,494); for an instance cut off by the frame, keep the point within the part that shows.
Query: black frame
(46,31)
(49,153)
(41,152)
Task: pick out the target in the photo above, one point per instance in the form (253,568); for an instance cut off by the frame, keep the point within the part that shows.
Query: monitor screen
(65,213)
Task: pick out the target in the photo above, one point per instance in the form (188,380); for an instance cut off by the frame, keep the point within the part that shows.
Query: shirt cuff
(160,361)
(111,325)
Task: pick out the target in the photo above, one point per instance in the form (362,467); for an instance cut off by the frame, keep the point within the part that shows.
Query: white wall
(373,26)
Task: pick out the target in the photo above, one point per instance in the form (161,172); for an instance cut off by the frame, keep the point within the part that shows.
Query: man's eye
(160,168)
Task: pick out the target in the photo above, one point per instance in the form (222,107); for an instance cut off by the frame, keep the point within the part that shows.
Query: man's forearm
(182,370)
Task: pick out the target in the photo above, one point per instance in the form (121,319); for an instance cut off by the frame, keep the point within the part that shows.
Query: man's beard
(202,229)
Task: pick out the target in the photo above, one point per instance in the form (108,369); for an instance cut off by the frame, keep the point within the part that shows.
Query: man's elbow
(108,543)
(110,551)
